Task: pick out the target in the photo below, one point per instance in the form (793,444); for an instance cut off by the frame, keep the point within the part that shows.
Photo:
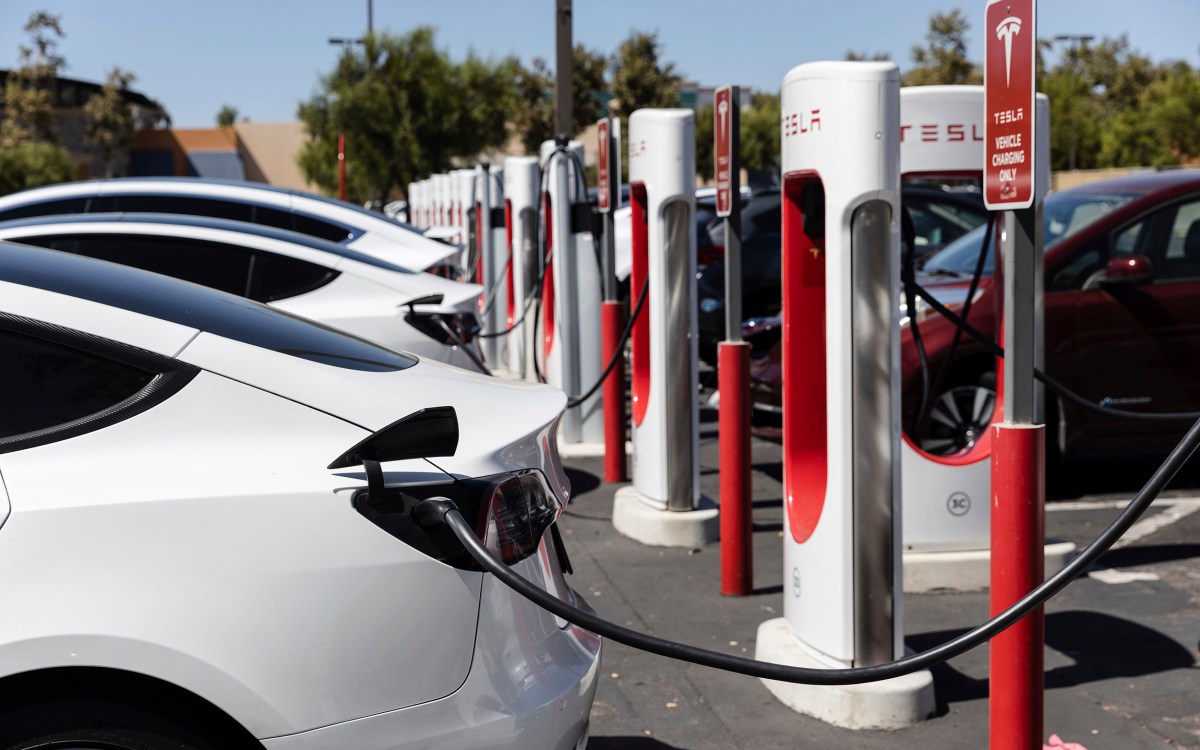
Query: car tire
(959,415)
(98,725)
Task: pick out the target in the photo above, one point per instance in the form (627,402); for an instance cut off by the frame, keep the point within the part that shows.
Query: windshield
(1064,214)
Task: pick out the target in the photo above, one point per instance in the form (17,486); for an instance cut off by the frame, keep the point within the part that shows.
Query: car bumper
(529,686)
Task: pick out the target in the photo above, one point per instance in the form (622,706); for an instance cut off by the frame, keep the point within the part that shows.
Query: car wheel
(958,417)
(94,725)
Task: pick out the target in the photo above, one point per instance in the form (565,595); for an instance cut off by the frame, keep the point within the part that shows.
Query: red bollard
(1018,565)
(615,466)
(733,382)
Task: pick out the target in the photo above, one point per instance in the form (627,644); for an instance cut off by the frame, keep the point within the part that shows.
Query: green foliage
(227,116)
(944,60)
(533,116)
(761,148)
(640,79)
(30,165)
(705,143)
(406,111)
(110,117)
(29,90)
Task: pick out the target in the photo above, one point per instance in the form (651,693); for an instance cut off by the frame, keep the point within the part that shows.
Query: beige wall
(269,151)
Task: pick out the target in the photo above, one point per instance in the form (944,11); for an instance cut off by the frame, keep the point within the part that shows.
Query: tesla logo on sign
(1005,31)
(723,156)
(1008,167)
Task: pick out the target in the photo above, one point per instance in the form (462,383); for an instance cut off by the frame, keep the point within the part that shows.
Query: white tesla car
(330,283)
(317,216)
(205,535)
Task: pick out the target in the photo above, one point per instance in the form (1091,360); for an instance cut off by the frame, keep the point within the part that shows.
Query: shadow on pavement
(582,482)
(1101,646)
(627,743)
(1145,555)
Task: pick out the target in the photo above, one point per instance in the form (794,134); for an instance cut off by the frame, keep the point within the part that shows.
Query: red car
(1122,323)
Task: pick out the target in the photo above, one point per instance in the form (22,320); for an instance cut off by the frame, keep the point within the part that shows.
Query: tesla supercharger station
(523,262)
(841,421)
(946,516)
(491,252)
(663,506)
(569,350)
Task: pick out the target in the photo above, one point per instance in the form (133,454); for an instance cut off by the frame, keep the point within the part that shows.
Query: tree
(760,133)
(406,111)
(639,80)
(110,117)
(944,60)
(29,90)
(533,114)
(227,116)
(29,165)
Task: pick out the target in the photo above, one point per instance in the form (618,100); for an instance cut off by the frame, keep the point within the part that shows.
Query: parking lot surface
(1121,644)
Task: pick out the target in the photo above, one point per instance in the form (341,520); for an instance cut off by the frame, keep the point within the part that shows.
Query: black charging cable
(436,511)
(1049,382)
(462,345)
(618,353)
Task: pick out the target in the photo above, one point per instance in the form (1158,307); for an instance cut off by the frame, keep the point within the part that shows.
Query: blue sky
(264,57)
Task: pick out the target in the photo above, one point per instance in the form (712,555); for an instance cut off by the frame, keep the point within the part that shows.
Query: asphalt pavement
(1121,643)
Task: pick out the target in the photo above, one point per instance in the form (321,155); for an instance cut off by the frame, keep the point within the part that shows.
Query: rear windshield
(194,306)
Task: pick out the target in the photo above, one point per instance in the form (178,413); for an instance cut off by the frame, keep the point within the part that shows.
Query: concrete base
(968,570)
(637,519)
(580,450)
(890,704)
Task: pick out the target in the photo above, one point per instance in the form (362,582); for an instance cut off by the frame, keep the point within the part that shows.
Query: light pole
(1077,42)
(344,43)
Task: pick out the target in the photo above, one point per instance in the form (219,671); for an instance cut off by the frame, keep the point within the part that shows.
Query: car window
(44,384)
(210,264)
(46,208)
(194,306)
(276,277)
(939,222)
(1169,237)
(232,210)
(1070,211)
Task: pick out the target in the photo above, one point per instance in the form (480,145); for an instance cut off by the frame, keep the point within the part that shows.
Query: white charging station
(441,200)
(463,201)
(945,497)
(491,252)
(663,506)
(843,601)
(570,311)
(523,261)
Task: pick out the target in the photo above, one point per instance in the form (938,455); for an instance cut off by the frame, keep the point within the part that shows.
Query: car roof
(193,306)
(96,187)
(205,222)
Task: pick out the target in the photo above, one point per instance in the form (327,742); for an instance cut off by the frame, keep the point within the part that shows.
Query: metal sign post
(1018,479)
(733,358)
(608,183)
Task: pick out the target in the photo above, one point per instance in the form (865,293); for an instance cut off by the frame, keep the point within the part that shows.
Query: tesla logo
(959,504)
(1005,31)
(935,132)
(637,149)
(723,111)
(801,122)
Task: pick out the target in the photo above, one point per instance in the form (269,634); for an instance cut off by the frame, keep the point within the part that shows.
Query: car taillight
(517,508)
(509,512)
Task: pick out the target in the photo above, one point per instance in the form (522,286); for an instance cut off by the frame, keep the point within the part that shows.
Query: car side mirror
(1128,270)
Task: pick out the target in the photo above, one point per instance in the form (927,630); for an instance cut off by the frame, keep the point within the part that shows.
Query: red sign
(723,105)
(602,184)
(1010,32)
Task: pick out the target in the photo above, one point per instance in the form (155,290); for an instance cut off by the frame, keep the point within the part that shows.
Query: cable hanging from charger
(429,513)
